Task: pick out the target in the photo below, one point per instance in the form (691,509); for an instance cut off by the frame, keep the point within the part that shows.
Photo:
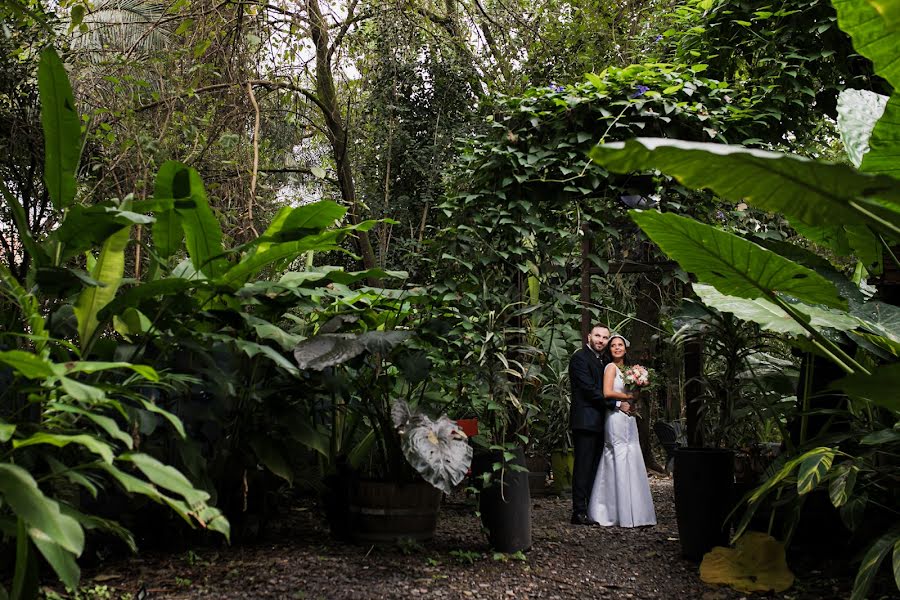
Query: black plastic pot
(505,504)
(704,480)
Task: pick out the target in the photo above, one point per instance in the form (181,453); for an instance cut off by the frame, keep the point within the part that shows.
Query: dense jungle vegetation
(236,233)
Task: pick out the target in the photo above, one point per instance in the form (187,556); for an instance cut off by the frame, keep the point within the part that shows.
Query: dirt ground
(301,561)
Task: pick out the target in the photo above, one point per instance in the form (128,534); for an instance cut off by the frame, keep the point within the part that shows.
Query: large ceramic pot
(382,511)
(505,504)
(704,479)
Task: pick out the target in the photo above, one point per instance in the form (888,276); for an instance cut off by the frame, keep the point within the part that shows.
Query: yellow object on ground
(755,564)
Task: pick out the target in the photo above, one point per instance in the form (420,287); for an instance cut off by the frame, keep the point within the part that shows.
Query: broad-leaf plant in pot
(404,460)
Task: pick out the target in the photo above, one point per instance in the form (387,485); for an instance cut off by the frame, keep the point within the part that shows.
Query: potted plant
(392,487)
(730,407)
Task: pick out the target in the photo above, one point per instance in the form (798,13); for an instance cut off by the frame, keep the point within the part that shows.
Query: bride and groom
(609,480)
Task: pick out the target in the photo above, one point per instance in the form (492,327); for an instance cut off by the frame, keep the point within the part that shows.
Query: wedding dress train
(621,492)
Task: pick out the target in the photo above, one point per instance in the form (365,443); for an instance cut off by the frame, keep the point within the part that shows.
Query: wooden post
(693,369)
(585,281)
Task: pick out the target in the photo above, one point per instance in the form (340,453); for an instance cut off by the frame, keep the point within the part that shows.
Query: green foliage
(836,460)
(780,60)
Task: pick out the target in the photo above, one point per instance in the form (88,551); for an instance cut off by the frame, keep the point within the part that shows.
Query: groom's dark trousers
(587,419)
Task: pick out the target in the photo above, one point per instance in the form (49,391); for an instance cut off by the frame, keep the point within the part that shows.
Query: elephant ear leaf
(62,129)
(733,265)
(816,193)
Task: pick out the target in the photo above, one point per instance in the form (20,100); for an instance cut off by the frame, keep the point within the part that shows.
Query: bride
(621,492)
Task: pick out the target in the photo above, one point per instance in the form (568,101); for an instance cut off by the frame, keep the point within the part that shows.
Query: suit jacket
(589,406)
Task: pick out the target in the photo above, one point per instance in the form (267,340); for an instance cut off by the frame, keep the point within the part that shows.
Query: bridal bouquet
(636,376)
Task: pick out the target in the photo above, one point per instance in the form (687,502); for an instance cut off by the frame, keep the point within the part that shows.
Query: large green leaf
(289,224)
(29,365)
(872,36)
(107,424)
(273,459)
(770,316)
(167,477)
(814,192)
(132,297)
(202,232)
(93,366)
(21,493)
(62,561)
(253,263)
(872,561)
(167,231)
(207,516)
(108,270)
(93,444)
(86,227)
(733,265)
(883,156)
(62,129)
(878,388)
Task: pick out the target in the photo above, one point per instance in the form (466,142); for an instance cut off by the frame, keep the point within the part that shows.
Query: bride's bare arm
(609,378)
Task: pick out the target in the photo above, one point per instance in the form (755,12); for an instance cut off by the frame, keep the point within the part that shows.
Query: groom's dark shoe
(582,519)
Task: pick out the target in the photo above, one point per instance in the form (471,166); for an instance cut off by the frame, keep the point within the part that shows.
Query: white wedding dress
(621,492)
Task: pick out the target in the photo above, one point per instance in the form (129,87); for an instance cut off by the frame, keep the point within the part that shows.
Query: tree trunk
(642,352)
(337,131)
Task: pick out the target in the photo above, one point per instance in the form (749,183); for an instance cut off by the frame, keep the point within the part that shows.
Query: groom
(587,417)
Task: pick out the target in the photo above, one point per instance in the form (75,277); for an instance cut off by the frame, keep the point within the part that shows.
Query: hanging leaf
(272,458)
(857,113)
(167,477)
(327,350)
(812,470)
(733,265)
(29,365)
(62,130)
(841,487)
(437,450)
(21,493)
(61,560)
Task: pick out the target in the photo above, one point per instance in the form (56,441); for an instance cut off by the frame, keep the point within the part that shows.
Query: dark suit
(587,419)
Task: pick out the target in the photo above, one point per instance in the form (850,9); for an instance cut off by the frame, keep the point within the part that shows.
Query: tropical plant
(62,416)
(737,398)
(774,286)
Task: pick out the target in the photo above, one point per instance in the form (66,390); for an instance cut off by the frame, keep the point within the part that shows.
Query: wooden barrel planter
(704,481)
(385,512)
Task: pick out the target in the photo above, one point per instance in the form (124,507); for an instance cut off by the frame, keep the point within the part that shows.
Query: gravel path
(566,561)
